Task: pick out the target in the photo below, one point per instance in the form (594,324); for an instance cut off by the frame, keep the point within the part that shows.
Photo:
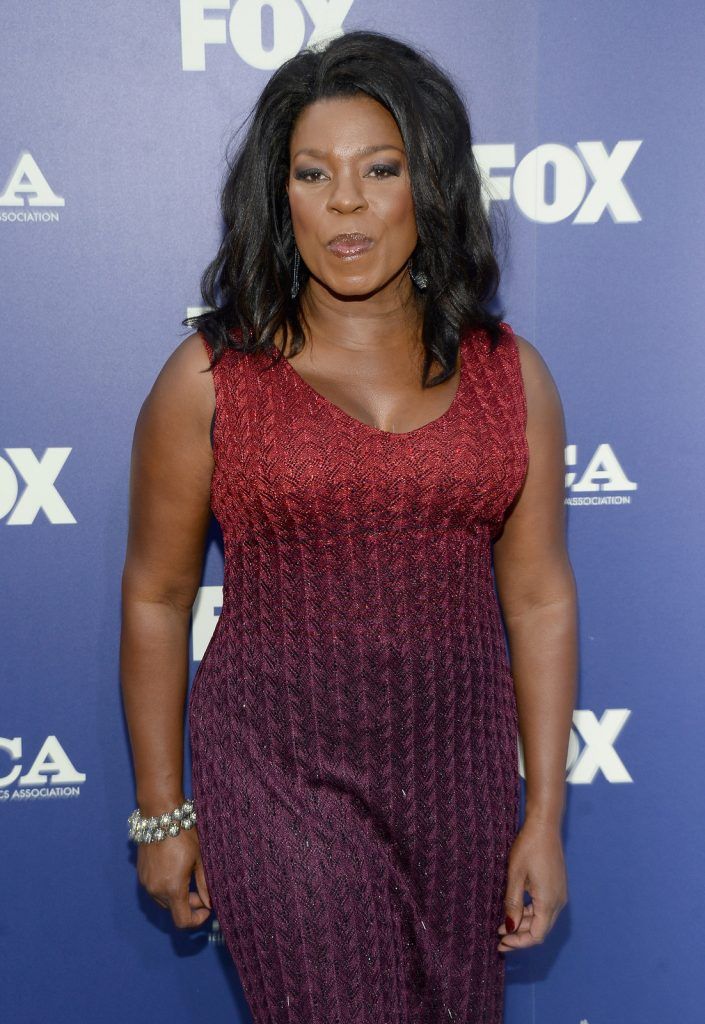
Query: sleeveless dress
(353,724)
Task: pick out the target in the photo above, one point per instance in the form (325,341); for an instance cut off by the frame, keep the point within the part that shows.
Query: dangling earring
(419,279)
(295,275)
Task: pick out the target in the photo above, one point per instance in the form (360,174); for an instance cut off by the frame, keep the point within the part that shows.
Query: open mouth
(349,246)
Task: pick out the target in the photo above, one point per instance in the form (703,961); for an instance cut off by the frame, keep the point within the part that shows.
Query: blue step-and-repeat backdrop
(588,121)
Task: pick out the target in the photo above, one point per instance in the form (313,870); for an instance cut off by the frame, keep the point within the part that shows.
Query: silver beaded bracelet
(153,830)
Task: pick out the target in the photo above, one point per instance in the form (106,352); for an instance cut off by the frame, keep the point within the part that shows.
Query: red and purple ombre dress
(353,722)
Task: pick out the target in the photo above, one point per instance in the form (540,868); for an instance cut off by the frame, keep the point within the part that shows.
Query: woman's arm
(169,510)
(537,593)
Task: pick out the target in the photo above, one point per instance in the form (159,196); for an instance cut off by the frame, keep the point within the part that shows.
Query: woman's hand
(165,869)
(536,864)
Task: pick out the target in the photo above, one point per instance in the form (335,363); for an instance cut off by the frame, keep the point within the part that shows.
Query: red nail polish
(509,924)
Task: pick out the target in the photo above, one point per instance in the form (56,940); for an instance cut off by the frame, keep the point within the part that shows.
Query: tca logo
(252,23)
(51,765)
(602,475)
(27,186)
(39,492)
(551,183)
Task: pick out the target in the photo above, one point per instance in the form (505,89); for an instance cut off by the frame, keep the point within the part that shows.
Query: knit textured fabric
(353,722)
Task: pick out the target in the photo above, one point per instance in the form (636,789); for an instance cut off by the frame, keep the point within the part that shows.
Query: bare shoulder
(184,385)
(177,412)
(187,369)
(542,398)
(171,471)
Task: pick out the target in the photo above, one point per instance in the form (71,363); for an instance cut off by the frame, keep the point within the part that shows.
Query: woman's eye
(305,175)
(385,170)
(378,171)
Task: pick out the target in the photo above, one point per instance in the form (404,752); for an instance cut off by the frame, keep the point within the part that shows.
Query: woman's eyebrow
(363,151)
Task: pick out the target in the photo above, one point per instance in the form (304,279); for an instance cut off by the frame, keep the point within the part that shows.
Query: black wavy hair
(247,286)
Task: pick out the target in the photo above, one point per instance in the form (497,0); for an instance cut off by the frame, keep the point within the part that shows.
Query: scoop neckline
(369,427)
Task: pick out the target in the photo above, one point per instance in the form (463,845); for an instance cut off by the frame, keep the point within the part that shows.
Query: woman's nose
(347,193)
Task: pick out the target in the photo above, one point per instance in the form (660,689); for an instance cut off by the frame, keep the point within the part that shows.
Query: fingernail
(508,923)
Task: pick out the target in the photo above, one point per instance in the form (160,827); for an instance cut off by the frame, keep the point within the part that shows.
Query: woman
(373,442)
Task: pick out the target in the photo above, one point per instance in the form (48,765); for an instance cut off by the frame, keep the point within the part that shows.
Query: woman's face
(335,187)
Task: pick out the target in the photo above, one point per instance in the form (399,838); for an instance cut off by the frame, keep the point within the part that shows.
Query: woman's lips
(350,250)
